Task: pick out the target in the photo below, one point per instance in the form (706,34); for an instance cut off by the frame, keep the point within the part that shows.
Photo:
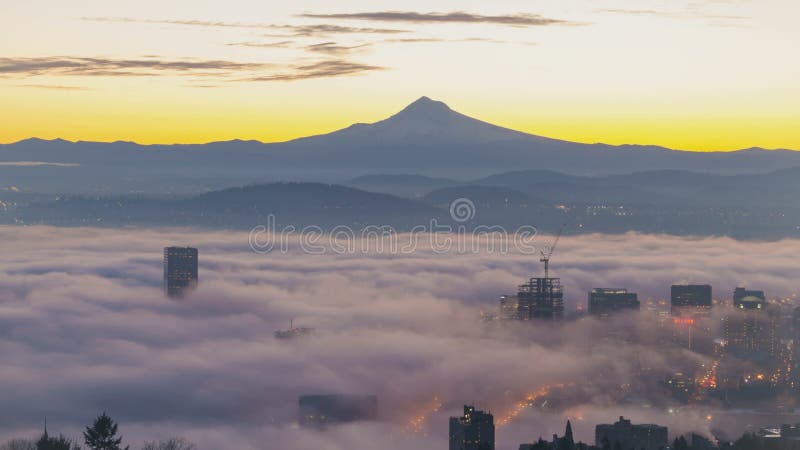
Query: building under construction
(540,298)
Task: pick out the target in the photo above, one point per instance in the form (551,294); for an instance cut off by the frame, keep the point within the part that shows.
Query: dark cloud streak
(83,66)
(519,20)
(328,29)
(323,69)
(332,48)
(277,44)
(79,66)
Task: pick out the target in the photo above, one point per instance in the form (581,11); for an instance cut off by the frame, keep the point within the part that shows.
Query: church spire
(44,441)
(568,432)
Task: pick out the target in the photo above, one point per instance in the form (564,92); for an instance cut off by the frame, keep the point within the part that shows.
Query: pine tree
(54,443)
(103,435)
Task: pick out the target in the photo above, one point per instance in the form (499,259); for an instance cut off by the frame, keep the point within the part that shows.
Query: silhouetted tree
(54,443)
(19,444)
(170,444)
(680,443)
(541,444)
(102,435)
(748,441)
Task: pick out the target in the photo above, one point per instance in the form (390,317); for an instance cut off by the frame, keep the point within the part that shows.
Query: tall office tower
(690,300)
(180,270)
(746,299)
(605,302)
(795,333)
(541,298)
(750,330)
(473,431)
(625,435)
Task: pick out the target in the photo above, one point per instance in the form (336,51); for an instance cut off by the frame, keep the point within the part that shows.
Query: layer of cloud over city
(85,328)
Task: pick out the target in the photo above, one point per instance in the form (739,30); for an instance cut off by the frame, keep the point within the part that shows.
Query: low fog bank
(84,327)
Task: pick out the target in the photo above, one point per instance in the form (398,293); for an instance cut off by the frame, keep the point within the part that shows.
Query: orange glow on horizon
(186,116)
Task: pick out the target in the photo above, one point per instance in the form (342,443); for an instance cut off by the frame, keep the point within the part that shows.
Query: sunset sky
(695,75)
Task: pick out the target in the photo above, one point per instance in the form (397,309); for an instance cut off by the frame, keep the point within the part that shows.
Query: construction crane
(548,252)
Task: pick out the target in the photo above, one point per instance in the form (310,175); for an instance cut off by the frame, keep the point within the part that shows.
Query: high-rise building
(750,330)
(746,299)
(681,386)
(623,434)
(690,308)
(322,410)
(605,302)
(180,270)
(795,334)
(473,431)
(541,298)
(690,300)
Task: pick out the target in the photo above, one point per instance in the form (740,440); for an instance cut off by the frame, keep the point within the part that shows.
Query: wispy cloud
(293,30)
(324,69)
(56,87)
(37,164)
(332,48)
(328,29)
(82,66)
(211,69)
(204,86)
(277,44)
(192,23)
(689,13)
(520,19)
(327,48)
(413,40)
(635,12)
(469,39)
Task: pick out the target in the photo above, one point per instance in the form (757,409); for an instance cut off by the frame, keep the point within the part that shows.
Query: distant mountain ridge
(746,206)
(426,138)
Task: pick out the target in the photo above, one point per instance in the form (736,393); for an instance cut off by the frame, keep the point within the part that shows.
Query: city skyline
(375,315)
(699,75)
(506,225)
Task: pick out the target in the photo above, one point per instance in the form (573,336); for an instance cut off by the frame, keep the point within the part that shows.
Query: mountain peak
(36,140)
(425,106)
(428,119)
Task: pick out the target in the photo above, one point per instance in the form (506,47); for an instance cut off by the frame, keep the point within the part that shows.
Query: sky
(85,328)
(687,74)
